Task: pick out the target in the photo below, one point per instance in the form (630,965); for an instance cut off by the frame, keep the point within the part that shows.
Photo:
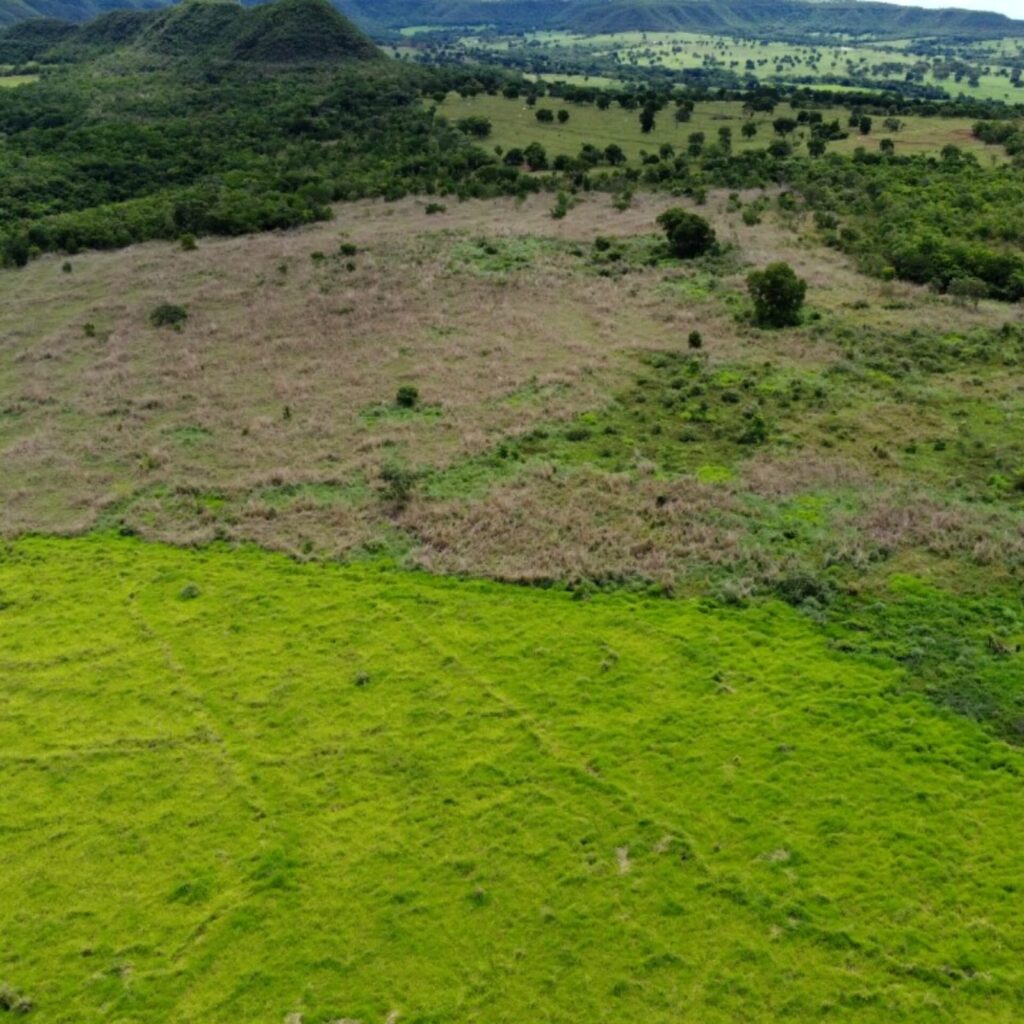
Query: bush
(695,340)
(688,235)
(407,397)
(188,241)
(397,484)
(433,208)
(778,295)
(168,315)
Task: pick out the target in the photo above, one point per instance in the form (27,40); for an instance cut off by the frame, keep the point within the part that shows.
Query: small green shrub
(167,314)
(188,242)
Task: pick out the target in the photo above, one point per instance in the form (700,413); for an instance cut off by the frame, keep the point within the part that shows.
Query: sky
(1013,8)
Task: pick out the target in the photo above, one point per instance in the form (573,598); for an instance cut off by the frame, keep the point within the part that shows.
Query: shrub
(433,208)
(188,241)
(778,295)
(407,397)
(397,484)
(695,340)
(168,315)
(561,207)
(688,235)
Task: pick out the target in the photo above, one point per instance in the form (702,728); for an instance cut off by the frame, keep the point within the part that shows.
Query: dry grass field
(271,415)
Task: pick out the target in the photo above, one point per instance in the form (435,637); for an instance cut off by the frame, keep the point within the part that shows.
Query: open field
(11,81)
(237,788)
(515,124)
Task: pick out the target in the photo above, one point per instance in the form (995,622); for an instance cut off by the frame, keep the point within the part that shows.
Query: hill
(282,32)
(12,11)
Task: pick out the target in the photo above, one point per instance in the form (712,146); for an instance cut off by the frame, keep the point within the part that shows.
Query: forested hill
(757,17)
(283,32)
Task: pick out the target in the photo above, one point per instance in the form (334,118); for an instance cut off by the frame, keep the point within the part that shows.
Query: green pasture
(238,788)
(10,81)
(515,124)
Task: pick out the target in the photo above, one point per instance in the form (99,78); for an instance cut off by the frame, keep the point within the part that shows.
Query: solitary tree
(688,235)
(647,118)
(778,295)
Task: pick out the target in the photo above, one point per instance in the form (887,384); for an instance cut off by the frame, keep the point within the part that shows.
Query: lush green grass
(236,788)
(11,81)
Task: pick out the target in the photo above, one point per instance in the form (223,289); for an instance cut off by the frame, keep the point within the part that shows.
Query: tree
(688,235)
(536,156)
(749,129)
(563,116)
(864,124)
(784,125)
(614,155)
(778,295)
(478,127)
(695,143)
(544,115)
(816,146)
(887,146)
(647,118)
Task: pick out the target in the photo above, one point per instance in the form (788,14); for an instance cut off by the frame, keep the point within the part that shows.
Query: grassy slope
(534,809)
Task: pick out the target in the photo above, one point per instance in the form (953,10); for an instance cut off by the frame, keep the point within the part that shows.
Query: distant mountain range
(757,17)
(753,17)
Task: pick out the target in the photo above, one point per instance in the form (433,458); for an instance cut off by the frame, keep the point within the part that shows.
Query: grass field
(11,81)
(515,124)
(238,788)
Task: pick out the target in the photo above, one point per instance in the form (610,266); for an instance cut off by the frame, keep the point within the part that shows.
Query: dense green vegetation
(218,145)
(239,788)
